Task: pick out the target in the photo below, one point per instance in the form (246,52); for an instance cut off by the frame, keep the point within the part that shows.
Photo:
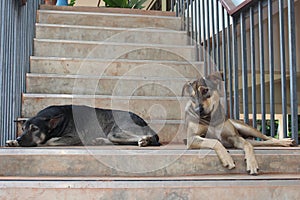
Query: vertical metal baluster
(196,28)
(282,68)
(213,33)
(253,69)
(204,38)
(200,55)
(262,67)
(172,5)
(244,68)
(229,67)
(188,17)
(192,21)
(293,69)
(224,60)
(208,37)
(236,72)
(271,67)
(217,36)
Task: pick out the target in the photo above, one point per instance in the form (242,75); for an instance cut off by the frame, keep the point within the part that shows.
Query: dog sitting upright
(82,125)
(209,127)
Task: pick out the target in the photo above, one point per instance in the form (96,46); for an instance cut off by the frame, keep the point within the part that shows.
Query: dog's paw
(11,143)
(252,166)
(144,141)
(286,142)
(227,161)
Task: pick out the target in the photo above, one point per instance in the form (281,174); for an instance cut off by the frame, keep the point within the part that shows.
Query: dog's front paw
(144,141)
(227,161)
(11,143)
(252,166)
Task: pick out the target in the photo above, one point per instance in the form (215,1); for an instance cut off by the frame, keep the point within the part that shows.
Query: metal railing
(16,41)
(254,63)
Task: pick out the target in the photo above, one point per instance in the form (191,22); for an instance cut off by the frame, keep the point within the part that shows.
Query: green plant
(72,2)
(135,4)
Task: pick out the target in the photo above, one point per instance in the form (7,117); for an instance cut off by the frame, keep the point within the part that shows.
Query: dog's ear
(216,77)
(54,121)
(187,88)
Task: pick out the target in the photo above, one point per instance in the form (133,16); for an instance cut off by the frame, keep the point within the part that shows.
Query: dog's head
(37,130)
(204,93)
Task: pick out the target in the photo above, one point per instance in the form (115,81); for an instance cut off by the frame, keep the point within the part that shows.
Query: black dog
(82,125)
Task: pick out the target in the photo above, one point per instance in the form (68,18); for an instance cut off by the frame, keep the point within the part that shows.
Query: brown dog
(208,126)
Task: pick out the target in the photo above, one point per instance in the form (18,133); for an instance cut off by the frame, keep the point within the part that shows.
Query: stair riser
(157,192)
(148,108)
(108,20)
(113,161)
(115,68)
(111,51)
(139,36)
(121,86)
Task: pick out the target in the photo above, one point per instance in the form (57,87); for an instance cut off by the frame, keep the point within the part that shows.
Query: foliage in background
(134,4)
(72,2)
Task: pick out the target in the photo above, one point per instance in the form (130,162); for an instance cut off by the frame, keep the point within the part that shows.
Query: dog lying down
(208,127)
(70,125)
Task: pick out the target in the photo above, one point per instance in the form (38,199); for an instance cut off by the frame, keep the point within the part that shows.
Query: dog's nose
(18,139)
(199,109)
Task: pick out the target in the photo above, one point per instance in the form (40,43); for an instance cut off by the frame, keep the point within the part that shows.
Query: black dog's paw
(144,141)
(11,143)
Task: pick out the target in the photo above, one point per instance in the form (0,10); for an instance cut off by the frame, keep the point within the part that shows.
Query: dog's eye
(33,127)
(204,91)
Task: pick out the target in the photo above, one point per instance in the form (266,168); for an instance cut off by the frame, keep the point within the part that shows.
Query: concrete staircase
(137,61)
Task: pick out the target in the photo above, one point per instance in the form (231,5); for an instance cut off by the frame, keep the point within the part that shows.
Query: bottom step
(284,186)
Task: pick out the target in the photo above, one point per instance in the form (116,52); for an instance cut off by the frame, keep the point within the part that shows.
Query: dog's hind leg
(128,138)
(248,131)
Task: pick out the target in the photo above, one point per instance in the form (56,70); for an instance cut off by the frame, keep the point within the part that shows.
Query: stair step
(108,19)
(108,10)
(149,108)
(133,161)
(204,187)
(104,85)
(118,67)
(111,34)
(106,50)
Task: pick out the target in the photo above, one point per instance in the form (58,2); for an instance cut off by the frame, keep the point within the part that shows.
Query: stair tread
(145,45)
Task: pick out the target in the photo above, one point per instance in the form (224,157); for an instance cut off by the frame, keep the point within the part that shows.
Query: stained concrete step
(111,34)
(115,67)
(107,19)
(245,187)
(133,161)
(108,50)
(104,85)
(150,108)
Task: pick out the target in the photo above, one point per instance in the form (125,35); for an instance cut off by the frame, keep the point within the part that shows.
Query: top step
(108,10)
(107,19)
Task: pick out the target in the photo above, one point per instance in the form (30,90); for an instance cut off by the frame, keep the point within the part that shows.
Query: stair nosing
(42,95)
(113,60)
(107,14)
(106,77)
(162,30)
(144,45)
